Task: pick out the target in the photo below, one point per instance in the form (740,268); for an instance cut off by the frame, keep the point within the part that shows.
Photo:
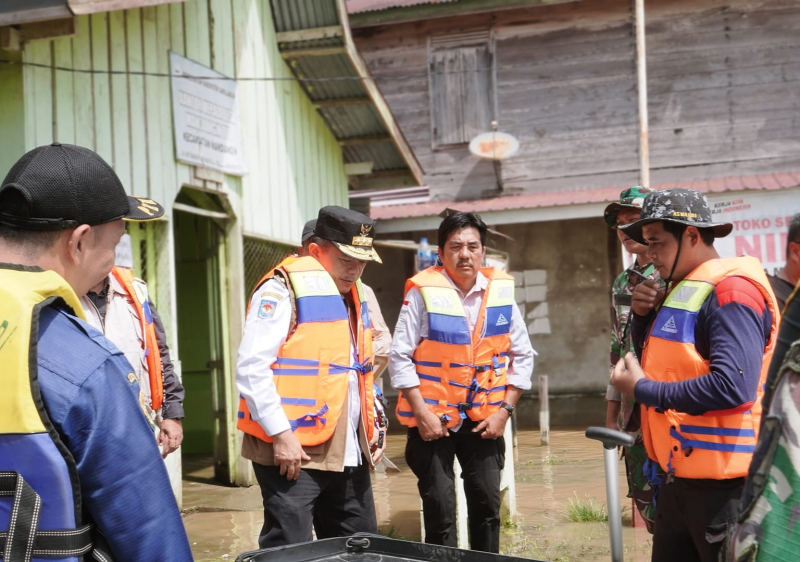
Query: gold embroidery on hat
(682,214)
(362,241)
(365,228)
(147,206)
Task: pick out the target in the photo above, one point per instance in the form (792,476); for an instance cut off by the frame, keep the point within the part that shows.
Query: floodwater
(223,522)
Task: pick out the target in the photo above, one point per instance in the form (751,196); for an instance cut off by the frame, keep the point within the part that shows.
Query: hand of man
(646,296)
(626,374)
(495,425)
(288,454)
(377,452)
(170,437)
(430,427)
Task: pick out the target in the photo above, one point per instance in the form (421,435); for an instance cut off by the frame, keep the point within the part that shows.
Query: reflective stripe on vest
(40,504)
(311,369)
(715,446)
(152,353)
(462,375)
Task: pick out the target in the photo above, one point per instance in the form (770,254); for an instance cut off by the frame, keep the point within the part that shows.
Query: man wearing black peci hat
(706,345)
(305,377)
(78,464)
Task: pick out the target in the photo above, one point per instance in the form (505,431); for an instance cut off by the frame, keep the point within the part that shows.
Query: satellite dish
(494,146)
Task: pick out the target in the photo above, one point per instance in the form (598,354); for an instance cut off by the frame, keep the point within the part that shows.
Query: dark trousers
(692,517)
(338,504)
(481,461)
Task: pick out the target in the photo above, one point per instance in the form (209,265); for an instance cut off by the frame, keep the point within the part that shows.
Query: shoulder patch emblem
(670,326)
(501,321)
(267,308)
(132,378)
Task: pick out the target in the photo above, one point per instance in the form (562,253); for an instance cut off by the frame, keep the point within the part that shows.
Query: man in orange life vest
(706,345)
(305,376)
(120,307)
(461,357)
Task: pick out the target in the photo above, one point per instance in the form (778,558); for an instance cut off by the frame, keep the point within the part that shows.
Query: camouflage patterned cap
(684,206)
(631,198)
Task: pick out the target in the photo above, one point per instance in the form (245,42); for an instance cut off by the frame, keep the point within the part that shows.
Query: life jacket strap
(310,419)
(23,540)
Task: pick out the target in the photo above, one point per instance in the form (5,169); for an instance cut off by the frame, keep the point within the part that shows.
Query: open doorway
(199,260)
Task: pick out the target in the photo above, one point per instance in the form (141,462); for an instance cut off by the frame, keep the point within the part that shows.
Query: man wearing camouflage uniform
(621,412)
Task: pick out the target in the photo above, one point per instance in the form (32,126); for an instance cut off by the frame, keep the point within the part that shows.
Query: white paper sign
(207,124)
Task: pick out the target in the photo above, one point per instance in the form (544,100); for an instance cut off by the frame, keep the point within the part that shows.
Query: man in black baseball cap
(80,449)
(705,345)
(68,200)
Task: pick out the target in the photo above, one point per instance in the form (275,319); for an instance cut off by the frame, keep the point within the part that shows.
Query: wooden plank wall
(294,162)
(722,85)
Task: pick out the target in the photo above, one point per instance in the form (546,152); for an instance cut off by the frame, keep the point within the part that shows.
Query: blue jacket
(94,407)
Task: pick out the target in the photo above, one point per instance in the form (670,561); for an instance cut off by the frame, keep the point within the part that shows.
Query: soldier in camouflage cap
(622,412)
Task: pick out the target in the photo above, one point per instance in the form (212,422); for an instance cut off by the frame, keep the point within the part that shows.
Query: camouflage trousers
(639,486)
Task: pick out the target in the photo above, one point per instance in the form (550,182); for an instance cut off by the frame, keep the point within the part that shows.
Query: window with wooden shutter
(461,75)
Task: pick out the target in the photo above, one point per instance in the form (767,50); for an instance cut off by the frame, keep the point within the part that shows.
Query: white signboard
(207,124)
(760,224)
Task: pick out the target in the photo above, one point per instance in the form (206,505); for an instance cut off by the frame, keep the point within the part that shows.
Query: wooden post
(544,410)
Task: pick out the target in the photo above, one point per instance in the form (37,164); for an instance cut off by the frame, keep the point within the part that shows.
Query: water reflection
(546,477)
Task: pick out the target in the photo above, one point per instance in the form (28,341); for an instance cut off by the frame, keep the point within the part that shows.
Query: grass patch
(585,510)
(392,533)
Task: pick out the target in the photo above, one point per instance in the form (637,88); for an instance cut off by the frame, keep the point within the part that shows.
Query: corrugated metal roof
(771,182)
(359,6)
(290,15)
(309,34)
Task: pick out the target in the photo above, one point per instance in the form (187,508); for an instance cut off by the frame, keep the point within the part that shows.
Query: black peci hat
(684,206)
(308,230)
(351,232)
(65,186)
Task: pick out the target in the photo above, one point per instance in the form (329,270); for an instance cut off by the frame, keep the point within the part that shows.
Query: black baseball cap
(351,232)
(65,186)
(308,230)
(684,206)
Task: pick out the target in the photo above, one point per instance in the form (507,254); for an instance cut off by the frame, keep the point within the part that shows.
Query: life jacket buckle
(463,406)
(482,368)
(688,451)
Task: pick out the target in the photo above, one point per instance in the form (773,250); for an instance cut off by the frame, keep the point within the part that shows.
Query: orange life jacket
(708,446)
(461,374)
(149,340)
(311,371)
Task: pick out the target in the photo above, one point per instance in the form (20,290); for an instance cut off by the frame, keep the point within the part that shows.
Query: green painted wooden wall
(295,164)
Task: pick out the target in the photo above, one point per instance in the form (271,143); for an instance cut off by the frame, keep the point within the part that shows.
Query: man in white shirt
(305,376)
(461,357)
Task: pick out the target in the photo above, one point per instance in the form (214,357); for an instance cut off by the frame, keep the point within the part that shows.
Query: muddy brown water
(223,522)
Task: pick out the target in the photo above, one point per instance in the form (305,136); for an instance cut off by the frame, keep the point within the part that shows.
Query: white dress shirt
(412,328)
(264,334)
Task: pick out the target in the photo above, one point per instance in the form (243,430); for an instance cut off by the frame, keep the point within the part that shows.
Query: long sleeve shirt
(412,328)
(266,329)
(174,392)
(93,405)
(733,327)
(381,336)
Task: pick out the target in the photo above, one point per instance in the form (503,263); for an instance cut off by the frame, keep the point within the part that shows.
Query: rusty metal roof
(769,182)
(359,6)
(314,38)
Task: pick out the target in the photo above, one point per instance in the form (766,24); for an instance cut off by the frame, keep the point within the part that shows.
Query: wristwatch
(508,407)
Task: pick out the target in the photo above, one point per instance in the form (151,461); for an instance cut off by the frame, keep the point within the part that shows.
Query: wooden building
(561,77)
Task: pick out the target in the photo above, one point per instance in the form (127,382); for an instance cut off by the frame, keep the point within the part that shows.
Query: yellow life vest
(40,500)
(461,374)
(311,370)
(709,446)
